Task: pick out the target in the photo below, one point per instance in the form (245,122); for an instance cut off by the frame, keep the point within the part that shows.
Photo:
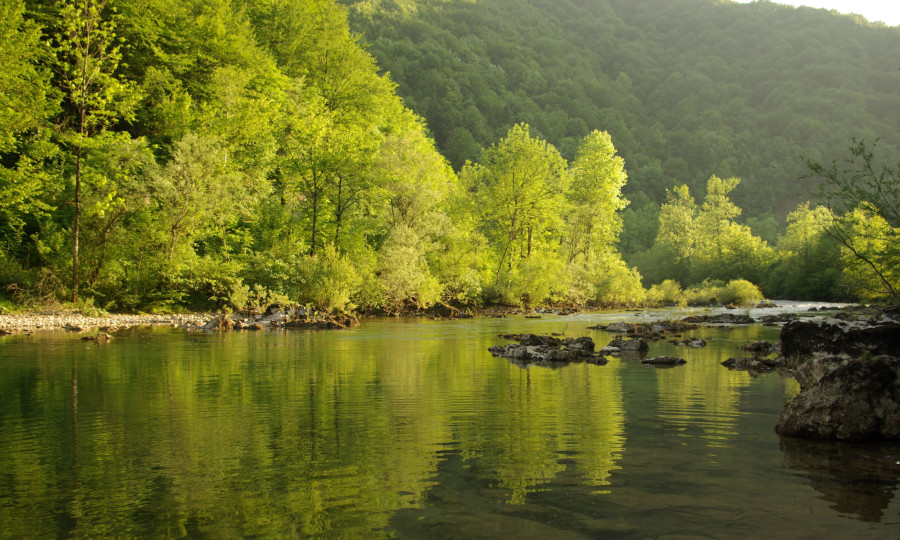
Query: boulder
(834,336)
(664,361)
(636,344)
(858,400)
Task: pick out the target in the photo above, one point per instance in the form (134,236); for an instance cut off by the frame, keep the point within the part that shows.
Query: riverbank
(23,323)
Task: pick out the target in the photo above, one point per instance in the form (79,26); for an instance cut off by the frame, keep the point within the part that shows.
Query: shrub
(739,292)
(666,293)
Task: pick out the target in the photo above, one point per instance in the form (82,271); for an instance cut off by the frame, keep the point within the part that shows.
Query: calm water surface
(409,428)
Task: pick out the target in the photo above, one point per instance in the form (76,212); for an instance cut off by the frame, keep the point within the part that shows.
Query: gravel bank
(29,322)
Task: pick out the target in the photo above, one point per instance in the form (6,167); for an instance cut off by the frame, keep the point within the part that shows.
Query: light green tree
(88,54)
(26,103)
(519,189)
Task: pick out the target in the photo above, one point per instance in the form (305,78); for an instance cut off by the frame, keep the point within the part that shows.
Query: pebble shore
(30,322)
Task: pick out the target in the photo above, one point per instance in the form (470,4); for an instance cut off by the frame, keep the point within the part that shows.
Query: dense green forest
(163,155)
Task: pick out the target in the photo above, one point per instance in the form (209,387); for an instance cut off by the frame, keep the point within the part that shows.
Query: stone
(758,347)
(636,344)
(724,318)
(834,336)
(856,401)
(664,361)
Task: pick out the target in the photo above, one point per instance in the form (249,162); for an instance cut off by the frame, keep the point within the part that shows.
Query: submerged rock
(753,363)
(664,361)
(694,342)
(757,347)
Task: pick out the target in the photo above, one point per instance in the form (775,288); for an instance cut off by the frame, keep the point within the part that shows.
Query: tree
(598,175)
(519,189)
(28,102)
(88,57)
(864,200)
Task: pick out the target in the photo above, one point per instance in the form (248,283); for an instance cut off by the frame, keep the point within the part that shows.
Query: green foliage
(865,202)
(667,293)
(739,292)
(703,294)
(695,87)
(226,155)
(808,261)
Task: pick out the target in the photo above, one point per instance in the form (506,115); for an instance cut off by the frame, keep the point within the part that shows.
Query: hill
(686,88)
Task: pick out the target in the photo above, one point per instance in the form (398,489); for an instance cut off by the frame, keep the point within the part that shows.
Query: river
(409,428)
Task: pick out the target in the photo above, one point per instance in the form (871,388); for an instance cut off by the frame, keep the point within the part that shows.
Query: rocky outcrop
(649,331)
(835,336)
(849,374)
(858,400)
(279,317)
(534,349)
(723,318)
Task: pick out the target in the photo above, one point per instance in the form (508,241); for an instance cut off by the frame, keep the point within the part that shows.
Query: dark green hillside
(687,88)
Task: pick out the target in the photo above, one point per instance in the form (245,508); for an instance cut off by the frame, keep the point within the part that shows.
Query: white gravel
(29,322)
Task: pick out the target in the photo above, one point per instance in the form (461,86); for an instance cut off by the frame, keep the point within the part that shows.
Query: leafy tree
(807,263)
(519,188)
(28,102)
(595,194)
(864,200)
(89,53)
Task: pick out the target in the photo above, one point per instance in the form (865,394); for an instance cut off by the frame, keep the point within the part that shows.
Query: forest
(384,157)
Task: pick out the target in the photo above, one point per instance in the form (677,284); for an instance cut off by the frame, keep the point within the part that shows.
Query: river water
(409,428)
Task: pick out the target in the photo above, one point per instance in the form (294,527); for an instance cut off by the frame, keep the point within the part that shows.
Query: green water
(409,428)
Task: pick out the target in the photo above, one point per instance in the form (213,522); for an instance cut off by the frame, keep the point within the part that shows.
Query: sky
(887,11)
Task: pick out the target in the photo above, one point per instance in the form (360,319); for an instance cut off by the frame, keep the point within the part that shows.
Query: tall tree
(519,188)
(598,175)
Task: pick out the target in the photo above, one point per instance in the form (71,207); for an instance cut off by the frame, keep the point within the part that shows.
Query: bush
(617,284)
(704,294)
(667,293)
(739,292)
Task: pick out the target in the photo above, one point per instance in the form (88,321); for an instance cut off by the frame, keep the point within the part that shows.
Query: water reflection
(402,427)
(859,479)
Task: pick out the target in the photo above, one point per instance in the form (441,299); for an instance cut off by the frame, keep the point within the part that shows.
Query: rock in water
(857,401)
(664,361)
(636,344)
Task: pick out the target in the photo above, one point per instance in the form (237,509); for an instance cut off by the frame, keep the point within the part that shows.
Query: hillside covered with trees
(162,155)
(687,88)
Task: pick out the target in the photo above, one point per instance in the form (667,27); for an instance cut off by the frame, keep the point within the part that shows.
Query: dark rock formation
(833,336)
(858,400)
(849,373)
(636,344)
(664,361)
(693,342)
(724,318)
(534,349)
